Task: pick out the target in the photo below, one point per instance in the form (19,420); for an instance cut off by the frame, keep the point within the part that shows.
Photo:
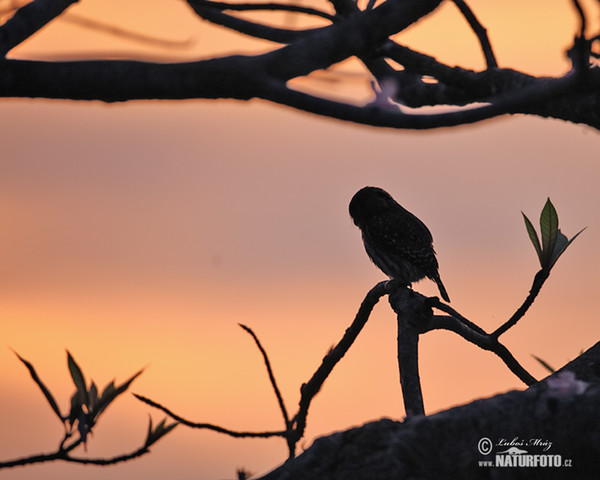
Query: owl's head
(369,201)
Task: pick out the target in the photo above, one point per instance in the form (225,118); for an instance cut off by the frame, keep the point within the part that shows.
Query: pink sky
(141,234)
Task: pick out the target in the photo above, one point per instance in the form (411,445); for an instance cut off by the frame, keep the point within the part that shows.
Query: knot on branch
(414,308)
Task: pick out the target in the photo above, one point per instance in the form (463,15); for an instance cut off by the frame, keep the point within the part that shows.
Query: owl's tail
(440,285)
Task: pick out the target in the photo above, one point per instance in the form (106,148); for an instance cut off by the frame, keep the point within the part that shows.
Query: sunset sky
(140,235)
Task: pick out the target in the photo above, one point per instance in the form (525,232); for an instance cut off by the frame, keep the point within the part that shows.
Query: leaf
(76,408)
(108,389)
(160,431)
(533,236)
(77,376)
(43,388)
(544,364)
(110,392)
(549,231)
(561,245)
(93,397)
(149,432)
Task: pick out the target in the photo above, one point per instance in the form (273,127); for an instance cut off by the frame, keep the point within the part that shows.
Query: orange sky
(140,235)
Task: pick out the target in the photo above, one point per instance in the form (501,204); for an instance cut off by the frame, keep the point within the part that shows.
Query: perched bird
(396,241)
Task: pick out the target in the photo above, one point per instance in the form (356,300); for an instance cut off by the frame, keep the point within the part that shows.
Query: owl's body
(397,242)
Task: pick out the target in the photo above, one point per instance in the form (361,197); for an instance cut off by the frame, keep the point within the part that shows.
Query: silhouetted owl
(398,242)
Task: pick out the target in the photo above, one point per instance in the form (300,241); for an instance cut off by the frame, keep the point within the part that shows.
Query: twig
(538,282)
(29,19)
(208,426)
(312,387)
(253,29)
(486,342)
(479,31)
(436,303)
(581,15)
(265,6)
(62,455)
(286,418)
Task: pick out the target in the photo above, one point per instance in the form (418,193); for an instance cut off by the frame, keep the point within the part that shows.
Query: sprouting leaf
(40,384)
(149,432)
(110,393)
(562,242)
(93,397)
(544,364)
(160,431)
(76,408)
(108,390)
(549,231)
(553,241)
(533,236)
(77,376)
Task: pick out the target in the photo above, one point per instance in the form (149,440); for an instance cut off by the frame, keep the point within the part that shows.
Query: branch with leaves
(350,31)
(87,404)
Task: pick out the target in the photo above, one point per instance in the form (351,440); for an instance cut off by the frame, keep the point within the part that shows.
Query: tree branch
(538,282)
(479,31)
(29,19)
(312,387)
(286,418)
(207,12)
(244,7)
(485,342)
(209,426)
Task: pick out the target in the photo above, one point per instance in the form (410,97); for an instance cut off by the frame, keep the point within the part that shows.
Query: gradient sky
(141,234)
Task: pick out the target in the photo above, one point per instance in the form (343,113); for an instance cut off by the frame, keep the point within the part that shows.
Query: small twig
(486,342)
(582,20)
(538,281)
(312,387)
(125,33)
(480,32)
(266,6)
(286,418)
(208,426)
(29,19)
(62,454)
(436,303)
(109,461)
(253,29)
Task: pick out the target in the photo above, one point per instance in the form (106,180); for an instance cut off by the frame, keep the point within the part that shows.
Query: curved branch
(252,29)
(538,282)
(209,426)
(62,454)
(286,418)
(525,99)
(243,7)
(486,342)
(312,387)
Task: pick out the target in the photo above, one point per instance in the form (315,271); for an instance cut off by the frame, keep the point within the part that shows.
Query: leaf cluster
(86,406)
